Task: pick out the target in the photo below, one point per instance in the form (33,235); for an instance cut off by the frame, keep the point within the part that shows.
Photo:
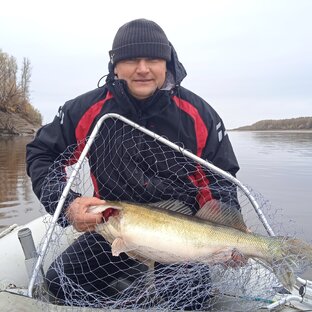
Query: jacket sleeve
(219,152)
(49,179)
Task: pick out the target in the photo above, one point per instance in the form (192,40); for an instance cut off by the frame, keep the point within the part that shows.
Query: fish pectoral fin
(119,246)
(221,255)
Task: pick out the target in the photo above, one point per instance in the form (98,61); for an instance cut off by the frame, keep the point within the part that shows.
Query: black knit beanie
(140,38)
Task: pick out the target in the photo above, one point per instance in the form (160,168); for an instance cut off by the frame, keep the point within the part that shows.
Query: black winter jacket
(134,167)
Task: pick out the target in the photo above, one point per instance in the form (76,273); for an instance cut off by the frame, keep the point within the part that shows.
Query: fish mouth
(109,212)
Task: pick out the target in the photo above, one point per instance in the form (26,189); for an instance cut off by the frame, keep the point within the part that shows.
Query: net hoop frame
(42,253)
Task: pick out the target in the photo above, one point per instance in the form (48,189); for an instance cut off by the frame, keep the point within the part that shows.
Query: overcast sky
(250,60)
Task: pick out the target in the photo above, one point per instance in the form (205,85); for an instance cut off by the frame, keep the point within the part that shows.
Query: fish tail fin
(292,257)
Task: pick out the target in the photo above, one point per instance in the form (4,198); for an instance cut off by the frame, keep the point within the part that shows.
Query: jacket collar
(133,107)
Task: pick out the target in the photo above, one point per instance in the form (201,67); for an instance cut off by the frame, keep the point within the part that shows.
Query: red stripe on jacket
(87,119)
(82,130)
(199,179)
(201,130)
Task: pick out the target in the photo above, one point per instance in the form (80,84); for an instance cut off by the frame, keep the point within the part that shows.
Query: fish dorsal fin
(173,205)
(223,214)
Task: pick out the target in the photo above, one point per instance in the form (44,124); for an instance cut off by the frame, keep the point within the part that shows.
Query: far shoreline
(271,130)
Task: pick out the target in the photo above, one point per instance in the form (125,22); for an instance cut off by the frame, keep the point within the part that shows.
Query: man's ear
(115,71)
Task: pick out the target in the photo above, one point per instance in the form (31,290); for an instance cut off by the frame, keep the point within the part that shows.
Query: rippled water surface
(276,164)
(279,166)
(18,204)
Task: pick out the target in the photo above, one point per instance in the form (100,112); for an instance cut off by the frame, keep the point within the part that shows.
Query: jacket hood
(175,67)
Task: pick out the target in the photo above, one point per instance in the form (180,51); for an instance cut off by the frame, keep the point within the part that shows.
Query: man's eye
(130,61)
(153,60)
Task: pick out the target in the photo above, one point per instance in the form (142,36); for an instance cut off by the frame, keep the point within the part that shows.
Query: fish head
(107,210)
(112,215)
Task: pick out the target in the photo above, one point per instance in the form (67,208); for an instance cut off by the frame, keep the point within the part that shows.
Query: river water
(279,166)
(276,164)
(18,204)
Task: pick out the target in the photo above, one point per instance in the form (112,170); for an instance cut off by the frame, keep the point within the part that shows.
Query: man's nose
(142,66)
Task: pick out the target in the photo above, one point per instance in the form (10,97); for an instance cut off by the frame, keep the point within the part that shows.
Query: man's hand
(78,215)
(237,260)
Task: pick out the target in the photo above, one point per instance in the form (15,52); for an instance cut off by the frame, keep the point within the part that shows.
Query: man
(143,85)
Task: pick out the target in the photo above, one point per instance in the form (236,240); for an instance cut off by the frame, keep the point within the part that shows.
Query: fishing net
(125,164)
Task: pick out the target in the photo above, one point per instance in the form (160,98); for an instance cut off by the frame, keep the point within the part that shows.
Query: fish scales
(170,237)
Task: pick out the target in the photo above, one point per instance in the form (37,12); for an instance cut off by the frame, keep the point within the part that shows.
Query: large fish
(167,236)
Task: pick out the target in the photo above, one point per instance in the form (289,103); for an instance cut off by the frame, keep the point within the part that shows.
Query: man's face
(143,75)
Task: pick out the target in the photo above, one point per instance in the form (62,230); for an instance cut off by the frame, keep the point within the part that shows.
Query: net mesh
(125,164)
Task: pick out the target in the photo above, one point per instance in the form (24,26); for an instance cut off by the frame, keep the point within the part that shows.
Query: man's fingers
(77,213)
(237,260)
(87,221)
(93,218)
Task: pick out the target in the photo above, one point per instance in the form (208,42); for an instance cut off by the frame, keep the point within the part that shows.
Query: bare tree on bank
(8,87)
(25,79)
(14,93)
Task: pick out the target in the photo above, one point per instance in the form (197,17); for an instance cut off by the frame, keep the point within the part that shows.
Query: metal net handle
(226,175)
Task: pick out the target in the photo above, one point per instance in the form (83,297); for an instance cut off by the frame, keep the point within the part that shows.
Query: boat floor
(11,301)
